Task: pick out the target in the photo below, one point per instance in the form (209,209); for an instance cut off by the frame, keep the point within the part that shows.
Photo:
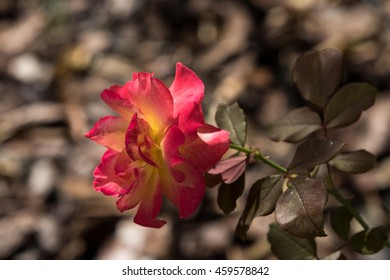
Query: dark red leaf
(354,162)
(261,201)
(348,103)
(299,210)
(288,247)
(369,241)
(313,152)
(229,193)
(317,74)
(295,126)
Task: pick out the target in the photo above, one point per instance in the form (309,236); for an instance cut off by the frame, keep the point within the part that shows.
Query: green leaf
(317,74)
(288,247)
(369,241)
(261,201)
(232,118)
(340,220)
(295,126)
(299,209)
(229,193)
(354,162)
(313,152)
(348,103)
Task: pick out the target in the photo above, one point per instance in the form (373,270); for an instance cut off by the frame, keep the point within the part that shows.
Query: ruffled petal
(173,139)
(139,145)
(119,104)
(208,148)
(130,200)
(192,190)
(187,91)
(153,100)
(110,132)
(147,193)
(136,192)
(110,178)
(149,209)
(187,194)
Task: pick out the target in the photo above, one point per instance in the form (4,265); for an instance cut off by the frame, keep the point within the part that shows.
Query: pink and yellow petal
(136,192)
(187,91)
(191,191)
(107,180)
(170,144)
(187,193)
(129,200)
(118,103)
(146,193)
(148,210)
(110,132)
(208,148)
(153,100)
(139,145)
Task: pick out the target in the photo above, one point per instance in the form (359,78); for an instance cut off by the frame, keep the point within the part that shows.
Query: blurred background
(56,57)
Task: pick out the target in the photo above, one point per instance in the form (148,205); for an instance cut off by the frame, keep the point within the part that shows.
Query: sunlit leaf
(369,241)
(348,103)
(261,201)
(354,162)
(317,74)
(340,220)
(313,152)
(229,193)
(299,209)
(232,118)
(230,169)
(288,247)
(295,126)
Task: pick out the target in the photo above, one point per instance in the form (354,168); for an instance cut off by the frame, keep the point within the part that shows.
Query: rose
(158,145)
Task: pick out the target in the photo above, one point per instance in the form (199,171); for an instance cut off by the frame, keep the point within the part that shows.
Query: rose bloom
(159,144)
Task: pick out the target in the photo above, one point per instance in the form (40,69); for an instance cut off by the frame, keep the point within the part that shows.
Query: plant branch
(259,157)
(333,191)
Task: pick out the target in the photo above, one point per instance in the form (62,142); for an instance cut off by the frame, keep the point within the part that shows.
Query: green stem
(241,149)
(259,157)
(332,190)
